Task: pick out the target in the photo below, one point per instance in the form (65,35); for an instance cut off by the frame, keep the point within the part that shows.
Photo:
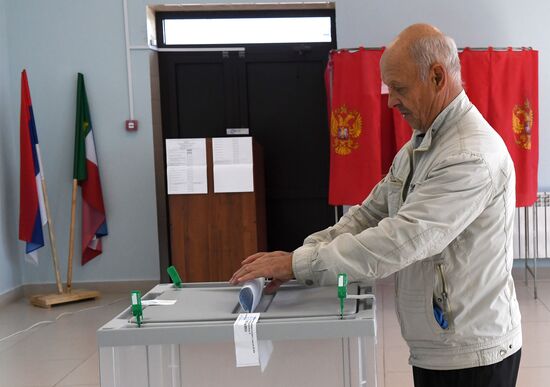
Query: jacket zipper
(447,312)
(397,298)
(407,182)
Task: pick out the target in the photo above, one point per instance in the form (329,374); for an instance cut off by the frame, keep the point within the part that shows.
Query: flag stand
(69,295)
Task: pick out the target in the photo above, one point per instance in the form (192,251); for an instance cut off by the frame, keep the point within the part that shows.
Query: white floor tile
(86,374)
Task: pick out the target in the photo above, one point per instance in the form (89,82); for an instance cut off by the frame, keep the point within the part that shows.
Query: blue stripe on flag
(102,230)
(34,141)
(37,240)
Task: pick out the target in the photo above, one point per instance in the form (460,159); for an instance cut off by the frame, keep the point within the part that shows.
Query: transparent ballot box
(191,342)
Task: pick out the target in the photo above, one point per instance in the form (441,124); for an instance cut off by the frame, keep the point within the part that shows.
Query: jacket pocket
(441,296)
(415,303)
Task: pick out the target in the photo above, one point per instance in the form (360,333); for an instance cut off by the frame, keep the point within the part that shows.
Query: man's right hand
(276,265)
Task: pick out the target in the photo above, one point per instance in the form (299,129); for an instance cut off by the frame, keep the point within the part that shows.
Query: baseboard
(102,287)
(11,295)
(543,269)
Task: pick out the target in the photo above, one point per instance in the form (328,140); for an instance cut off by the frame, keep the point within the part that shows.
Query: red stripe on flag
(91,188)
(28,204)
(91,220)
(93,212)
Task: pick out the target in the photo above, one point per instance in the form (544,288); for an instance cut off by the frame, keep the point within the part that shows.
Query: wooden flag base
(49,300)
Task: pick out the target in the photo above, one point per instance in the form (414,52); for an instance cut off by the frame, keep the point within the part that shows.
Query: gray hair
(439,48)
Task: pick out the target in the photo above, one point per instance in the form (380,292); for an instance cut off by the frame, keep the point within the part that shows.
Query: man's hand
(276,265)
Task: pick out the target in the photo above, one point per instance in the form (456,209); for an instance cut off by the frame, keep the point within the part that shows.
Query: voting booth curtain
(365,134)
(504,87)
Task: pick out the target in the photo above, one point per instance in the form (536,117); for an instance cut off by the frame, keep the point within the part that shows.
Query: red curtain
(366,134)
(476,77)
(504,87)
(355,138)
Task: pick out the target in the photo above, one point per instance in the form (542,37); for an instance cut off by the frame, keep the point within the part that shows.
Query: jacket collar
(448,116)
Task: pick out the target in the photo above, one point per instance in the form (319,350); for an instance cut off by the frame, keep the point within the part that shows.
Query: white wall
(54,40)
(57,38)
(10,272)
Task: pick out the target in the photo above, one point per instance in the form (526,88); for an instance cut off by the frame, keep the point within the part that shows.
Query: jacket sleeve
(453,194)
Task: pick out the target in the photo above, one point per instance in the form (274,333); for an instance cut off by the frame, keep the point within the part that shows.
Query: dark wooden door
(287,114)
(279,95)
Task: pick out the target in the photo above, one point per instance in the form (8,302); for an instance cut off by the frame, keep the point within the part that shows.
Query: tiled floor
(65,353)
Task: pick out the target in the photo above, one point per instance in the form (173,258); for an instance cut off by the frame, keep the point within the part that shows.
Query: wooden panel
(212,233)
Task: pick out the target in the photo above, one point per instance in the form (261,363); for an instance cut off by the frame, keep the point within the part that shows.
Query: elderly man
(441,220)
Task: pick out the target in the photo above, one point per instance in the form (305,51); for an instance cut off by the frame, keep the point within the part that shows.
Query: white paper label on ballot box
(246,340)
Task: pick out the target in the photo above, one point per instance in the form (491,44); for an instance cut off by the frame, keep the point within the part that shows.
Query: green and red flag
(86,172)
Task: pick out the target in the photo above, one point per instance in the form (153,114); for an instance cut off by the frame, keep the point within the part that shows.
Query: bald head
(425,45)
(422,71)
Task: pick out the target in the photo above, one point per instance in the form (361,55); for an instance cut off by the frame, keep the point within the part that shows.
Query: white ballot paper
(248,350)
(186,165)
(246,340)
(251,294)
(233,164)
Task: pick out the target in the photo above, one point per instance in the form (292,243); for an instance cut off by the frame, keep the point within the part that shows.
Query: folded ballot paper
(249,351)
(251,294)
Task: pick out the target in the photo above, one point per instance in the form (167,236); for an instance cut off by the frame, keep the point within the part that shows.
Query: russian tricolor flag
(32,211)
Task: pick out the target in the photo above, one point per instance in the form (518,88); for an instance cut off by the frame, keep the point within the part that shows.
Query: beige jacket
(446,230)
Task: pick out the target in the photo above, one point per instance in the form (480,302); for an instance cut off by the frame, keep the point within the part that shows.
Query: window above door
(244,28)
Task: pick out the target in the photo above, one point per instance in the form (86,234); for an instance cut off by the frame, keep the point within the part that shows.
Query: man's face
(410,95)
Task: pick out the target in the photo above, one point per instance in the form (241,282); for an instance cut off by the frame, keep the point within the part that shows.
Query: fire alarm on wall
(131,125)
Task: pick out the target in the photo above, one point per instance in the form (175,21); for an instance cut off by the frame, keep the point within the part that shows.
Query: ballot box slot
(262,307)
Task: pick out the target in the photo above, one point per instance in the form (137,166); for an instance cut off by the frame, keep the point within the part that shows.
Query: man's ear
(438,76)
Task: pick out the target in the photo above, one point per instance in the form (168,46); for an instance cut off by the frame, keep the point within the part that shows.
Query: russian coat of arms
(522,123)
(345,129)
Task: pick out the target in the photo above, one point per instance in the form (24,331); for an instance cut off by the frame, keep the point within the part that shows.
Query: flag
(355,116)
(503,85)
(86,172)
(32,211)
(514,113)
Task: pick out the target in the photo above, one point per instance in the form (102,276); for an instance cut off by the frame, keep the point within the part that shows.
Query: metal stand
(535,223)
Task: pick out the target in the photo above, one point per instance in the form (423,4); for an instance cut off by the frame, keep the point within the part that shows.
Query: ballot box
(191,343)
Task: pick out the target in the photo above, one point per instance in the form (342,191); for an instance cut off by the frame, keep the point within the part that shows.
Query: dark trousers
(502,374)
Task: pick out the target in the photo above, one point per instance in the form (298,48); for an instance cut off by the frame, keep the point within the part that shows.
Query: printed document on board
(186,166)
(233,165)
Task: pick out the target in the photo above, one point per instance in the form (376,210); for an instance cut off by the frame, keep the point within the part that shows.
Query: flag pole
(50,227)
(71,238)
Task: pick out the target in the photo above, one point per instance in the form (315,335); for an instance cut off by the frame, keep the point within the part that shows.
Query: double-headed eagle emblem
(522,122)
(345,129)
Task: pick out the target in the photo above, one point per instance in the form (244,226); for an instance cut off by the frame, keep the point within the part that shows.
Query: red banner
(355,114)
(513,112)
(504,87)
(476,77)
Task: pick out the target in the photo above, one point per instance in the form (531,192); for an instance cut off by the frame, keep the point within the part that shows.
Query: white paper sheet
(233,165)
(246,340)
(186,166)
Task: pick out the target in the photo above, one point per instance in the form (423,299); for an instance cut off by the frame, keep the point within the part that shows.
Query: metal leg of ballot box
(359,352)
